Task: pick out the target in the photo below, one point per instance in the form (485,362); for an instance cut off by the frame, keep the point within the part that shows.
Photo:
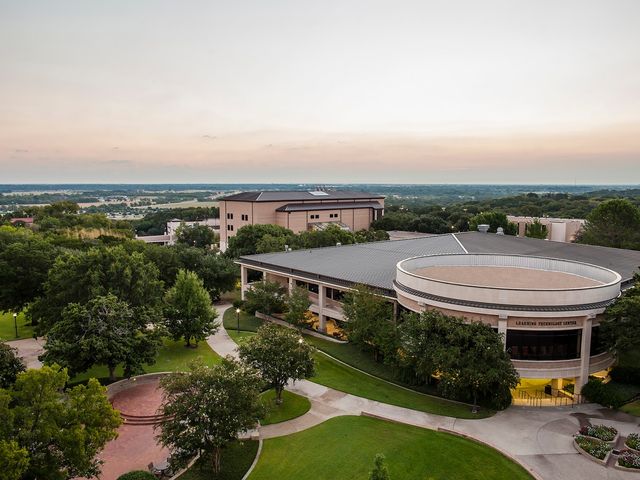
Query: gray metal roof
(374,264)
(303,207)
(296,196)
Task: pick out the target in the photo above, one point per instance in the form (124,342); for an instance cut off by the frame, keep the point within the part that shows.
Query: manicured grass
(346,379)
(236,460)
(343,448)
(349,380)
(172,357)
(248,322)
(292,406)
(7,330)
(632,408)
(241,336)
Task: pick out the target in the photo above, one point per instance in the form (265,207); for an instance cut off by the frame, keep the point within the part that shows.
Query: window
(333,215)
(230,227)
(334,294)
(544,345)
(316,216)
(229,216)
(312,287)
(244,217)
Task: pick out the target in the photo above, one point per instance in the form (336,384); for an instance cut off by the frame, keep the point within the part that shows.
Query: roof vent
(500,231)
(318,193)
(483,227)
(338,244)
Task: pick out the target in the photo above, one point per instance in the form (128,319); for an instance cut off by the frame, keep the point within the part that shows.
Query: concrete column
(244,283)
(291,285)
(585,354)
(502,329)
(321,301)
(556,385)
(395,312)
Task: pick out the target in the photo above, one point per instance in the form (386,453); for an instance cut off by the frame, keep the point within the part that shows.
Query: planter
(630,469)
(612,442)
(588,455)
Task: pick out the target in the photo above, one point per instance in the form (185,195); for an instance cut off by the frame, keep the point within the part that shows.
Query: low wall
(128,383)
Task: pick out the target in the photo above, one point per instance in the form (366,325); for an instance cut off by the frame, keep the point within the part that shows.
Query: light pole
(15,323)
(238,320)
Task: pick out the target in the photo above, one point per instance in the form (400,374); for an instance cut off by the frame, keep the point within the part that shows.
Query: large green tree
(25,259)
(265,297)
(280,354)
(77,277)
(199,236)
(369,322)
(104,331)
(621,326)
(188,310)
(218,273)
(614,223)
(206,408)
(10,365)
(298,304)
(61,430)
(245,241)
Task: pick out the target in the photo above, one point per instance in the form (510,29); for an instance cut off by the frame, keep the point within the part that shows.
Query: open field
(343,448)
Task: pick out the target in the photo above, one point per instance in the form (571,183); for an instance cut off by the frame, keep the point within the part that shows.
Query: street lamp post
(15,323)
(238,320)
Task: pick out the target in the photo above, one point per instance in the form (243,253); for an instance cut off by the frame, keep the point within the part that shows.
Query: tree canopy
(61,431)
(621,326)
(536,229)
(208,407)
(199,236)
(265,297)
(298,304)
(613,223)
(104,331)
(280,354)
(10,365)
(188,310)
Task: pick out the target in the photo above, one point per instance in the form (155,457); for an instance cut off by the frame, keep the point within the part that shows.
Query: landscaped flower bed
(601,432)
(633,441)
(594,447)
(629,459)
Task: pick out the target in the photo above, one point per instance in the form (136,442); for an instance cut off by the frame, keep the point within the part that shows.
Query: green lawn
(7,330)
(292,406)
(247,322)
(172,357)
(343,448)
(236,460)
(632,408)
(346,379)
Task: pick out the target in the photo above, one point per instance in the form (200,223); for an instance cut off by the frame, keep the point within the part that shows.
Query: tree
(25,259)
(380,470)
(280,354)
(206,408)
(105,331)
(298,304)
(61,431)
(14,460)
(536,230)
(10,366)
(245,241)
(199,236)
(621,327)
(189,313)
(614,223)
(218,273)
(369,321)
(77,277)
(430,224)
(266,297)
(371,235)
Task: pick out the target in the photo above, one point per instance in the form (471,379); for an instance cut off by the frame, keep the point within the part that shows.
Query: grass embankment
(349,380)
(343,448)
(236,460)
(173,356)
(292,406)
(7,329)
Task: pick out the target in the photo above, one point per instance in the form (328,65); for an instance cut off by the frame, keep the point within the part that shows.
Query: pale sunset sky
(537,91)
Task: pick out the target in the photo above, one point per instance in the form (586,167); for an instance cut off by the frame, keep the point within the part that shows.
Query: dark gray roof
(374,263)
(296,196)
(303,207)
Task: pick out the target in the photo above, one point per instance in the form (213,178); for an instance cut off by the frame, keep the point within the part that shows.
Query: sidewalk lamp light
(15,323)
(238,320)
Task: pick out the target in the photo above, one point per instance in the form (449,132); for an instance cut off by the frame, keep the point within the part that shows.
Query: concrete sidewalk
(541,439)
(28,350)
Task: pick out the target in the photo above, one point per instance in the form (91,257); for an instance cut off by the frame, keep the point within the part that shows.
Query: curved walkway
(539,438)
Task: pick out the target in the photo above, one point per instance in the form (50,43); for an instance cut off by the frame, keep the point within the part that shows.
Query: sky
(151,91)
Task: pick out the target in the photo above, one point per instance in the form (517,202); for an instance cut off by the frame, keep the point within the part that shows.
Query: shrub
(137,475)
(629,375)
(629,459)
(601,432)
(633,441)
(597,391)
(594,447)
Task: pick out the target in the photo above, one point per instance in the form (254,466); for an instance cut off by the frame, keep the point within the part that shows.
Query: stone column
(243,281)
(321,301)
(291,285)
(585,354)
(502,329)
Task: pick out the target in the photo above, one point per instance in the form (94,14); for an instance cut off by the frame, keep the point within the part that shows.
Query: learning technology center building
(546,298)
